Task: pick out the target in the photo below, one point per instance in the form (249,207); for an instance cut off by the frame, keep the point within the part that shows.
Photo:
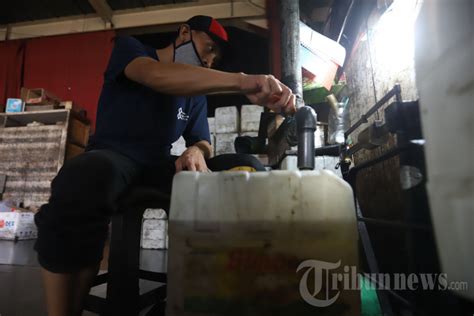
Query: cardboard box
(36,108)
(78,132)
(14,105)
(17,225)
(41,96)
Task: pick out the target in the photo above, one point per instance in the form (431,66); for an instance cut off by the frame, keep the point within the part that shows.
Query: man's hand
(192,160)
(268,91)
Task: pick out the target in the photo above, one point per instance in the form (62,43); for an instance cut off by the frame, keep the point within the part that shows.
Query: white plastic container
(328,163)
(238,238)
(444,58)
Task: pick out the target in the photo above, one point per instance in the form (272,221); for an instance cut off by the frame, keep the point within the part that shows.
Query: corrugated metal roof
(129,4)
(29,10)
(14,11)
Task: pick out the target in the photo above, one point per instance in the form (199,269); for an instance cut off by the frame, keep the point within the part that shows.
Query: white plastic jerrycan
(263,243)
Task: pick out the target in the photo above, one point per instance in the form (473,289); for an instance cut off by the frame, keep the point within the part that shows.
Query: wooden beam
(149,16)
(256,26)
(103,10)
(5,32)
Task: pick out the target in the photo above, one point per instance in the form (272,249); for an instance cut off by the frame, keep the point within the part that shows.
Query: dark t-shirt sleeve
(197,128)
(125,50)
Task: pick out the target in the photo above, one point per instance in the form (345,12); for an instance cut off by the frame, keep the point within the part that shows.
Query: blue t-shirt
(139,122)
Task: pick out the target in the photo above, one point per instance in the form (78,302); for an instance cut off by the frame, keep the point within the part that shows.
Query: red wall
(12,54)
(274,26)
(69,66)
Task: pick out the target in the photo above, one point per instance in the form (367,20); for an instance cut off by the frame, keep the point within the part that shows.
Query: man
(149,99)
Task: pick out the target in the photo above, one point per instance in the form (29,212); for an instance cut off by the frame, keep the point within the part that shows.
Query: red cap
(213,28)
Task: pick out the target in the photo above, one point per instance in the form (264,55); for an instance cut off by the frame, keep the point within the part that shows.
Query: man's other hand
(192,160)
(268,91)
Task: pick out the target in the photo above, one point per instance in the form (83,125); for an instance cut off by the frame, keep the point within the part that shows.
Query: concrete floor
(21,288)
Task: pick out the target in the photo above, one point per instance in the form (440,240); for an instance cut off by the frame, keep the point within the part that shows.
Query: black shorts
(73,225)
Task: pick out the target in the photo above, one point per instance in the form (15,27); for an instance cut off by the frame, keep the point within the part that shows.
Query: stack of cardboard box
(39,99)
(226,126)
(227,129)
(250,120)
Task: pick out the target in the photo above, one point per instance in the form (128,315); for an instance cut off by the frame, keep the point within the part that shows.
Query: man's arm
(205,148)
(188,80)
(181,79)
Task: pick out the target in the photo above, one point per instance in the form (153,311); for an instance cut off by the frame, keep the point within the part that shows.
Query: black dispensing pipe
(305,127)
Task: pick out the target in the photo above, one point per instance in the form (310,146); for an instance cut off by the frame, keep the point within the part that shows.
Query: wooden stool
(122,278)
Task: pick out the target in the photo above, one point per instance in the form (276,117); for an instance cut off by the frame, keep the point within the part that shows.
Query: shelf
(50,117)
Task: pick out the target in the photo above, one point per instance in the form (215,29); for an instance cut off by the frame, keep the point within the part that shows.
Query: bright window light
(393,39)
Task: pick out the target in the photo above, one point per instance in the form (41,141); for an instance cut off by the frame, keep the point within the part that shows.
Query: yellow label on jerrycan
(263,243)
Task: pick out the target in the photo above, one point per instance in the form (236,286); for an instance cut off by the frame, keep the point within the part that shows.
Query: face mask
(186,53)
